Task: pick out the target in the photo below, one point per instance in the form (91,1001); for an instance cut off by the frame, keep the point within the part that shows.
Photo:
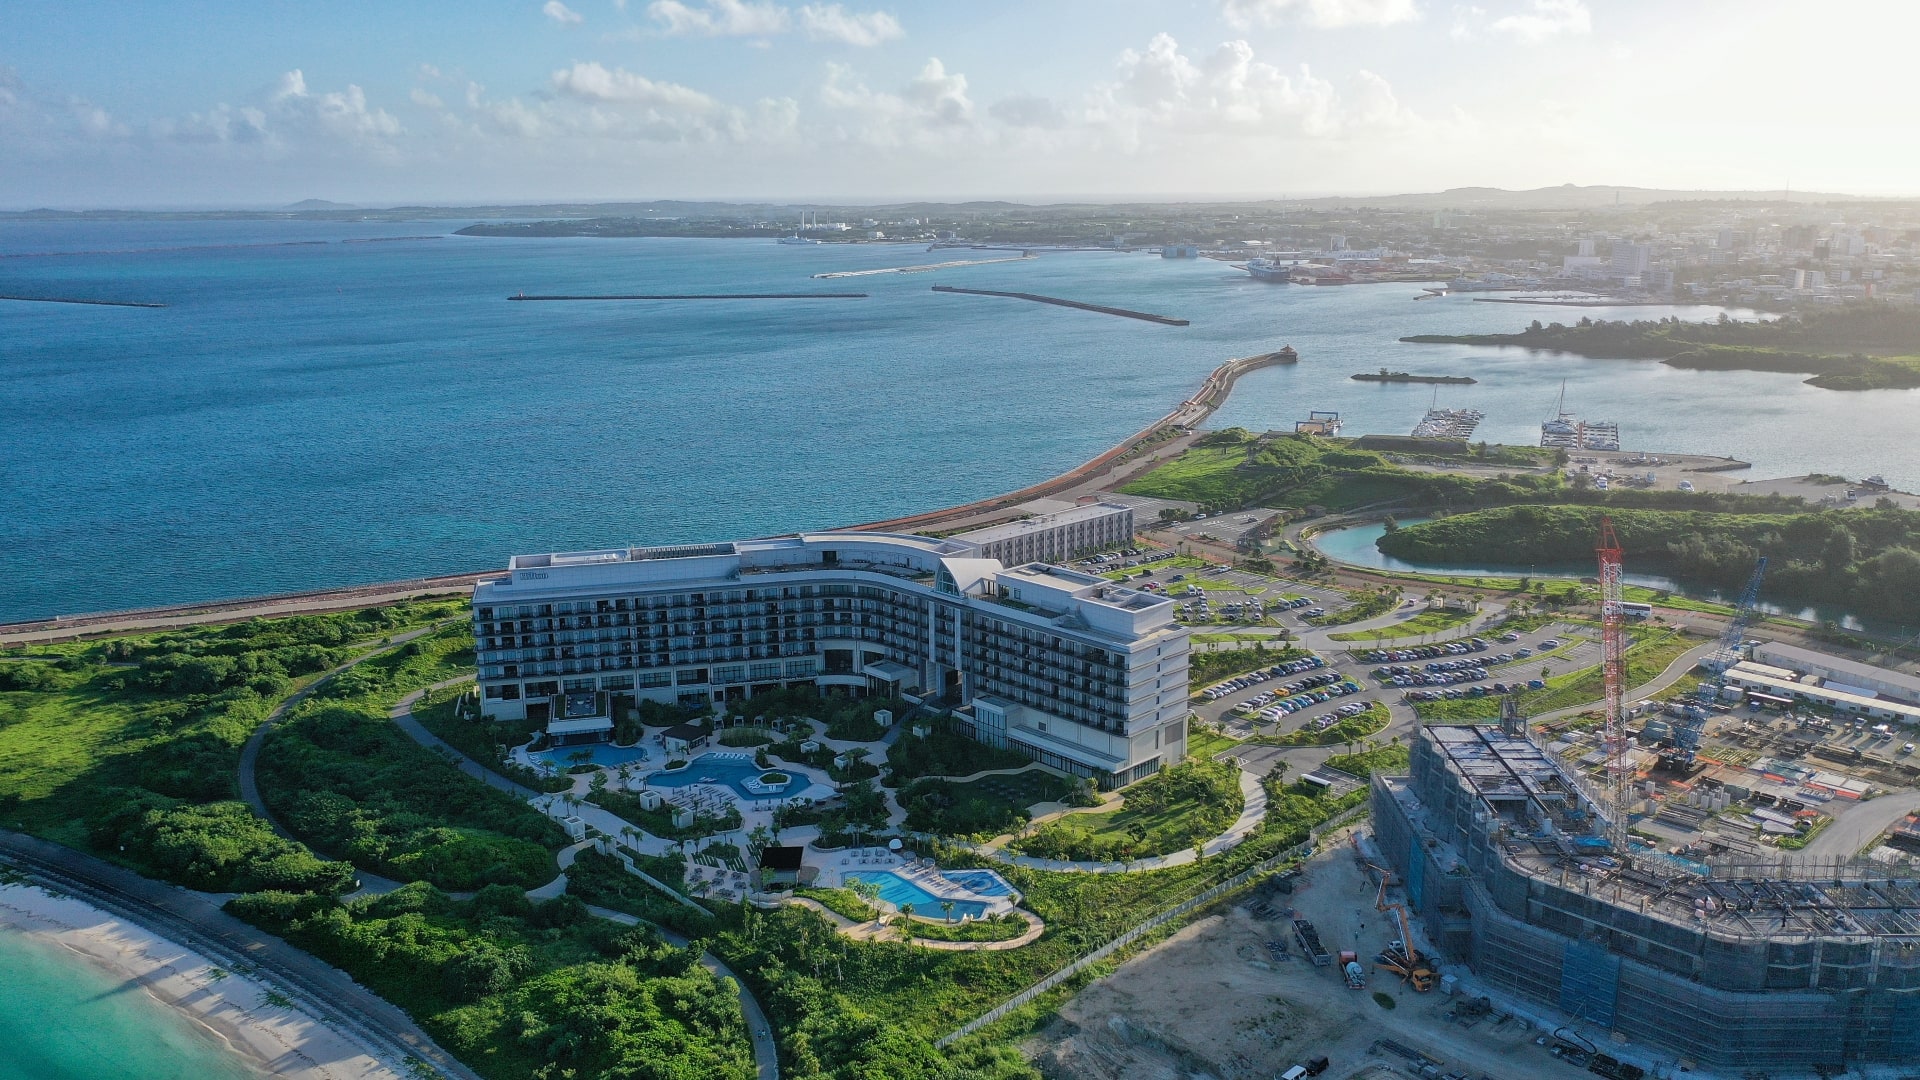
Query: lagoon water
(65,1020)
(309,411)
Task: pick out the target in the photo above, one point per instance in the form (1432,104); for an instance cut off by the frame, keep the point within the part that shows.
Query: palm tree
(947,907)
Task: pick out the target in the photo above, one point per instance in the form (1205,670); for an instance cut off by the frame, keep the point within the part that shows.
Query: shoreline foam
(236,1010)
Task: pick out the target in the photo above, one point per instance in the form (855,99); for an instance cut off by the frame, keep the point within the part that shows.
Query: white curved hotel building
(1071,669)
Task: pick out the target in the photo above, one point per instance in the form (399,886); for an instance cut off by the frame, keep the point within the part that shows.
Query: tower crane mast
(1613,737)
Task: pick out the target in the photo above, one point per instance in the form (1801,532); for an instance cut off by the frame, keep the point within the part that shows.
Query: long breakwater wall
(1164,320)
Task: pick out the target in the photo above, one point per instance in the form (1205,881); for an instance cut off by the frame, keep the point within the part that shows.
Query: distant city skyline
(125,104)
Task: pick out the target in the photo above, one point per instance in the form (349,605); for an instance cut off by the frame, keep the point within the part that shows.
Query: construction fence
(1025,997)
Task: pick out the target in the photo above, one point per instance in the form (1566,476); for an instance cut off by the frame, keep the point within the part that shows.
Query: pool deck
(868,862)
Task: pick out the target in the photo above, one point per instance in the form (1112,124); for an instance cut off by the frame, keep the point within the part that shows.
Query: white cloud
(1321,13)
(595,82)
(933,109)
(720,18)
(832,22)
(1229,90)
(426,100)
(341,113)
(943,96)
(291,117)
(561,13)
(1543,19)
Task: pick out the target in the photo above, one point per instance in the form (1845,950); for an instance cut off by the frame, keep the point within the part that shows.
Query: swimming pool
(732,770)
(605,754)
(983,882)
(899,892)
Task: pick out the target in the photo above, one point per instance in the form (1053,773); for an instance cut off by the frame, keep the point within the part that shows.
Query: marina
(1448,424)
(1568,432)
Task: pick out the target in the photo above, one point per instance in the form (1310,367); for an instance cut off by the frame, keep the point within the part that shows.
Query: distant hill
(319,204)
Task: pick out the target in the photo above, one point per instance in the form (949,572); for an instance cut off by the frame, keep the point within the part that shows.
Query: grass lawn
(131,714)
(1168,812)
(1427,622)
(1205,744)
(1352,729)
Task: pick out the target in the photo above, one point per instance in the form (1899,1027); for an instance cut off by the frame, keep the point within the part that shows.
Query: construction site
(1722,883)
(1537,865)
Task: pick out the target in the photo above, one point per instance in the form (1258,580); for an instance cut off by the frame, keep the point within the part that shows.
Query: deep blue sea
(309,411)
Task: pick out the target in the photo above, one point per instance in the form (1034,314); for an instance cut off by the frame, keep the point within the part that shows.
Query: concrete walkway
(1252,814)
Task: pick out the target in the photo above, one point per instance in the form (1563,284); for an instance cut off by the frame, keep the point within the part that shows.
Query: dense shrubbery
(940,806)
(110,743)
(1866,559)
(219,847)
(944,752)
(520,990)
(344,778)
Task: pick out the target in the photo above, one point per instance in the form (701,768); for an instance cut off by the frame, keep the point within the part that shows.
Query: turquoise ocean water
(65,1020)
(309,411)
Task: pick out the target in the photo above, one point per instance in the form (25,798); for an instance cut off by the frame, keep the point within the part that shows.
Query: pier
(924,267)
(1163,320)
(1167,435)
(705,296)
(75,300)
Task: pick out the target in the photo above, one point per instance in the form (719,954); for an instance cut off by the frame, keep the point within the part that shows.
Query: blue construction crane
(1730,651)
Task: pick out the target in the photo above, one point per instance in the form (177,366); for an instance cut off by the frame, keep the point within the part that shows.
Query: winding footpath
(766,1053)
(1253,812)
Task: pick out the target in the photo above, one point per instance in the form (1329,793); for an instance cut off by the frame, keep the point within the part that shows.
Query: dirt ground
(1210,1003)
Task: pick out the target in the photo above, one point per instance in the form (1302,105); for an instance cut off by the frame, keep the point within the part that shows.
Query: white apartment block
(1055,538)
(1068,668)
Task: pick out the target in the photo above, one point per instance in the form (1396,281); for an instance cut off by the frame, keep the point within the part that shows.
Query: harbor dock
(1164,320)
(1448,424)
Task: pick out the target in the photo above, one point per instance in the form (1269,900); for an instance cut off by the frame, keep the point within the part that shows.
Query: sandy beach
(274,1038)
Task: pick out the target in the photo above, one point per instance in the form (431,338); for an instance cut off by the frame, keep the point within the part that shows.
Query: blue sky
(166,103)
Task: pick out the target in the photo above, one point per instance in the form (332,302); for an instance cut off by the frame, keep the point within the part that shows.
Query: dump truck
(1309,940)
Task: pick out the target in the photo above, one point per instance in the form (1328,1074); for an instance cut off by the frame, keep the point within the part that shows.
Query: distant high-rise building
(1631,260)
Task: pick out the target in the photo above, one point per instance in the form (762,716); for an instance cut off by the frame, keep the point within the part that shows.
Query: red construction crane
(1613,666)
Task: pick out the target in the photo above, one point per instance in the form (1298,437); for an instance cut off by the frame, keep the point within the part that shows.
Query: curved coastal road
(195,920)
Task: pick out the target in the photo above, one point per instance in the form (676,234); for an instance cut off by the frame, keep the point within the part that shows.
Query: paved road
(1852,830)
(194,920)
